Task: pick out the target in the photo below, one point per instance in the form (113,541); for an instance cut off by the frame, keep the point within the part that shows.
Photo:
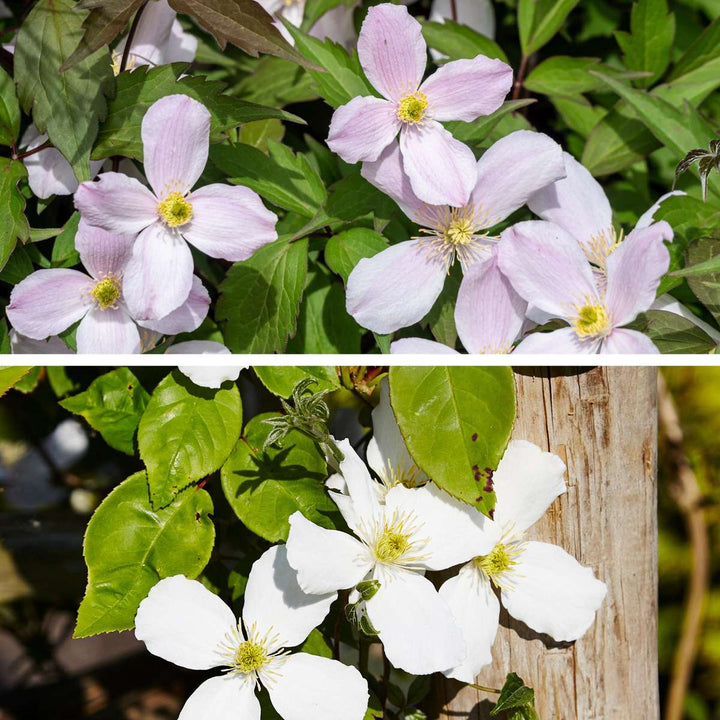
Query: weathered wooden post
(602,422)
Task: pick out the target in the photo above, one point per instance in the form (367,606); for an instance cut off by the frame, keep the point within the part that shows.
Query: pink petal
(441,169)
(187,317)
(628,342)
(577,203)
(102,252)
(512,170)
(634,272)
(152,35)
(648,217)
(466,89)
(392,50)
(547,267)
(388,174)
(49,301)
(420,346)
(180,47)
(229,222)
(108,332)
(338,25)
(489,314)
(117,203)
(159,274)
(557,342)
(176,139)
(395,288)
(363,128)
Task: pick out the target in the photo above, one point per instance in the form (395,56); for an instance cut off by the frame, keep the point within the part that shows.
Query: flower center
(117,62)
(602,246)
(591,321)
(460,231)
(250,657)
(502,559)
(411,109)
(391,545)
(400,475)
(107,292)
(175,210)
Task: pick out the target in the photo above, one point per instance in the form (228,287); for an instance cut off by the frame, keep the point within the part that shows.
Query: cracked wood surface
(602,423)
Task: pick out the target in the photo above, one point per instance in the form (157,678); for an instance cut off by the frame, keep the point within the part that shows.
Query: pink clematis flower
(398,286)
(548,267)
(49,301)
(576,266)
(223,221)
(393,55)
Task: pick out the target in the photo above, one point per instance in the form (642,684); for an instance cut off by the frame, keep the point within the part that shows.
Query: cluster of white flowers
(400,527)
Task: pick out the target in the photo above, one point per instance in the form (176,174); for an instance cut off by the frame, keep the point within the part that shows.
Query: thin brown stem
(453,10)
(130,37)
(20,156)
(686,493)
(520,78)
(482,688)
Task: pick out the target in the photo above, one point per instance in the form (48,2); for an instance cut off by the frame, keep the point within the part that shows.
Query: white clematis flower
(414,530)
(183,622)
(539,583)
(210,376)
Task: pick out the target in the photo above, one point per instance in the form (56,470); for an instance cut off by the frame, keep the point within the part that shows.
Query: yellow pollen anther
(391,546)
(602,245)
(460,232)
(106,292)
(250,657)
(502,559)
(591,321)
(411,109)
(175,210)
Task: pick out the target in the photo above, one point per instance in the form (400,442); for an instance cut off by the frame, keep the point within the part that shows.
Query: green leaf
(277,83)
(259,132)
(316,645)
(68,105)
(324,325)
(265,487)
(243,23)
(562,75)
(706,286)
(354,197)
(475,132)
(458,41)
(515,695)
(261,296)
(105,21)
(129,547)
(343,78)
(139,89)
(280,380)
(703,50)
(10,376)
(186,433)
(113,405)
(9,111)
(456,422)
(648,47)
(540,20)
(64,254)
(13,223)
(441,317)
(674,334)
(60,381)
(284,178)
(345,250)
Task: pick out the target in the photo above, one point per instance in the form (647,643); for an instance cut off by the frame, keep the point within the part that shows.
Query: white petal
(212,376)
(325,560)
(109,332)
(451,531)
(275,604)
(387,453)
(476,611)
(183,622)
(527,482)
(228,697)
(415,624)
(308,687)
(552,593)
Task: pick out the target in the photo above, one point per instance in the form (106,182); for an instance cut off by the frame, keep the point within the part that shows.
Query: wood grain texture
(603,423)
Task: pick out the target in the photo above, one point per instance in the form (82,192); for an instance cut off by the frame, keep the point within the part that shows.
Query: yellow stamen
(591,321)
(411,109)
(250,657)
(460,231)
(602,245)
(500,561)
(107,292)
(175,210)
(391,546)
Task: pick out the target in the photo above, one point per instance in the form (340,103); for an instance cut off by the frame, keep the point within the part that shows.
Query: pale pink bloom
(398,286)
(49,301)
(212,376)
(338,25)
(22,345)
(577,267)
(393,55)
(290,10)
(420,346)
(223,221)
(540,584)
